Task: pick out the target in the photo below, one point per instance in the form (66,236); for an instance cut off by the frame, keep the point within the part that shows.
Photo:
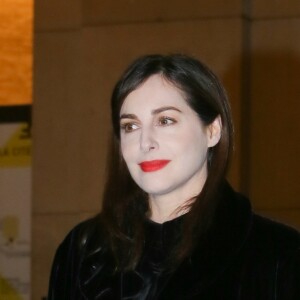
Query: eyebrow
(164,108)
(153,112)
(128,116)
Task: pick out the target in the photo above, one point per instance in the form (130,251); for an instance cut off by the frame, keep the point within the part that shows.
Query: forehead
(152,94)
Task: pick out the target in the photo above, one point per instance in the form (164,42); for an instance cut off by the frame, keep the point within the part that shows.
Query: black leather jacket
(244,257)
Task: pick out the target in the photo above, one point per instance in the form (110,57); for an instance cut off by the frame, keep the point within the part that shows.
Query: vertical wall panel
(275,90)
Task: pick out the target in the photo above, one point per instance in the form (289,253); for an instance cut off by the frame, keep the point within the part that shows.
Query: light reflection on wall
(16,52)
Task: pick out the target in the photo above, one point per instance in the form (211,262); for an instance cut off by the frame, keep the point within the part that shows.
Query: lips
(153,165)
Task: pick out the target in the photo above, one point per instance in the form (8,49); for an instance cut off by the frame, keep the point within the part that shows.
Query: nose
(148,141)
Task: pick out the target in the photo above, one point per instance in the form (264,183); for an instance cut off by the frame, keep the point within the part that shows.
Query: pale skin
(158,124)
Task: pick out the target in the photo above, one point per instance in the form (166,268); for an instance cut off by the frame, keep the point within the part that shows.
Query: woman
(171,226)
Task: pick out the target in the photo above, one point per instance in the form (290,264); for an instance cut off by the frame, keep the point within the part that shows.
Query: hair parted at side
(125,205)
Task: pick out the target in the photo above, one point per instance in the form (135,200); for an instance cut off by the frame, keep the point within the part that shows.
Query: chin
(155,189)
(156,185)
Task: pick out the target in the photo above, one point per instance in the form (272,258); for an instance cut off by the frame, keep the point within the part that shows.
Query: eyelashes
(129,127)
(166,121)
(162,121)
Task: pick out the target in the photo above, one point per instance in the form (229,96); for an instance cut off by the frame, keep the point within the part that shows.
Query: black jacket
(243,257)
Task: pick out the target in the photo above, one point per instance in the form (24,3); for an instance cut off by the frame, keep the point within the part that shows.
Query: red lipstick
(153,165)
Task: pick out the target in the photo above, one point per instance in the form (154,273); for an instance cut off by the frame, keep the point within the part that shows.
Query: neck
(178,199)
(172,205)
(164,210)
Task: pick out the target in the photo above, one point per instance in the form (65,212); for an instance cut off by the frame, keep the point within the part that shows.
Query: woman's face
(163,141)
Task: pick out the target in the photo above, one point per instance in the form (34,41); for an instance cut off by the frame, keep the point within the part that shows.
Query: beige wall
(82,46)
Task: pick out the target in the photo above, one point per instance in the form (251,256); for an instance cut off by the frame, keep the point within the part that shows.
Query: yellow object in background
(16,152)
(7,292)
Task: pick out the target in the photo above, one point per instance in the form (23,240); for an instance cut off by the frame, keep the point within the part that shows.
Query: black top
(243,257)
(160,240)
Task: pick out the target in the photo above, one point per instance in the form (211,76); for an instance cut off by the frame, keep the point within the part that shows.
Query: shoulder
(261,231)
(83,239)
(82,234)
(284,238)
(277,249)
(250,229)
(275,246)
(85,235)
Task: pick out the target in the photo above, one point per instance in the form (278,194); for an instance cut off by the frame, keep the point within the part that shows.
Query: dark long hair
(125,205)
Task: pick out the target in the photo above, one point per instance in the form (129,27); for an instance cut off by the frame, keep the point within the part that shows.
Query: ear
(214,130)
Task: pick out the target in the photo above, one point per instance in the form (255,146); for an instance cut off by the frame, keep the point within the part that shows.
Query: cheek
(195,145)
(191,140)
(126,151)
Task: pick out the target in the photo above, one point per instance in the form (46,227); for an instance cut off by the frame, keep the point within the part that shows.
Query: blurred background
(60,60)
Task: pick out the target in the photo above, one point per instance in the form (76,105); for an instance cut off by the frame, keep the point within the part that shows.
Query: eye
(129,127)
(166,121)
